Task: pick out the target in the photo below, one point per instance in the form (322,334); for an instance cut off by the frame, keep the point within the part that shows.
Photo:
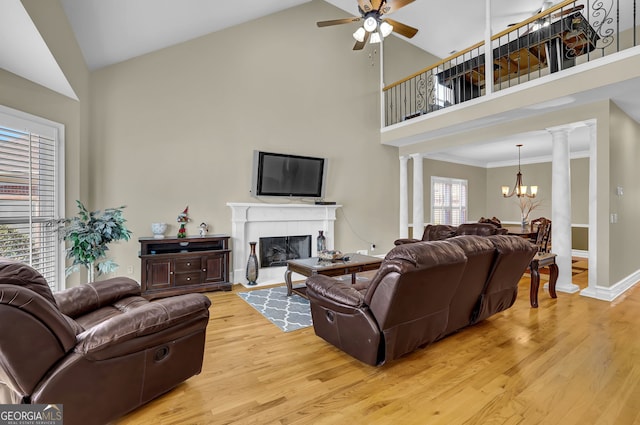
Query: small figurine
(204,229)
(183,219)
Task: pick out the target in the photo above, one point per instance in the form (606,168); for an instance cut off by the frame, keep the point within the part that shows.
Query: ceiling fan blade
(377,4)
(365,6)
(360,44)
(402,29)
(390,7)
(338,21)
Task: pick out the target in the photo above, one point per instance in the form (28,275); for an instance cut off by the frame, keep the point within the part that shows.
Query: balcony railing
(566,35)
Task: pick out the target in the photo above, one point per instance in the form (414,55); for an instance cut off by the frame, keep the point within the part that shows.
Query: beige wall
(178,127)
(625,234)
(23,95)
(402,59)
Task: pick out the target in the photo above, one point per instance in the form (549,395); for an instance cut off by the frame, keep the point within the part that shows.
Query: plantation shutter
(30,195)
(448,201)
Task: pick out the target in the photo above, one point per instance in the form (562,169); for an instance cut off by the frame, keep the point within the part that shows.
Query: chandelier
(519,189)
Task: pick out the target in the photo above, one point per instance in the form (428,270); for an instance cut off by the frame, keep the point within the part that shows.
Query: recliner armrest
(335,291)
(145,320)
(82,299)
(405,241)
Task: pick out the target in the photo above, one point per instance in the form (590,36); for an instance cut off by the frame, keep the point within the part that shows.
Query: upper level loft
(561,38)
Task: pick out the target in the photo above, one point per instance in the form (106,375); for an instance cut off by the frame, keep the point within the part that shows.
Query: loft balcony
(567,38)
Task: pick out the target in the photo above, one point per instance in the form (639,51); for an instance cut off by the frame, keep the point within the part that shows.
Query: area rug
(287,313)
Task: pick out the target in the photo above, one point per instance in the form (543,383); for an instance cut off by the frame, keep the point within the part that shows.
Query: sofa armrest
(329,291)
(405,241)
(145,320)
(82,299)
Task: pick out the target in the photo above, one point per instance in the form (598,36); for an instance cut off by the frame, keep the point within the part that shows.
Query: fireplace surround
(252,221)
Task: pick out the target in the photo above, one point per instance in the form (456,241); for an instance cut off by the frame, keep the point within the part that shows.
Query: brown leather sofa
(439,232)
(422,292)
(99,349)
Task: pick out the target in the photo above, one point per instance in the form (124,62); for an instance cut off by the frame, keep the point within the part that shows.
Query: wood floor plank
(573,360)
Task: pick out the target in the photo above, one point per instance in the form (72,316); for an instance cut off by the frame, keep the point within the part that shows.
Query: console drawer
(190,264)
(187,278)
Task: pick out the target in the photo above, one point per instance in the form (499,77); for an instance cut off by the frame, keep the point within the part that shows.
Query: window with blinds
(30,193)
(448,201)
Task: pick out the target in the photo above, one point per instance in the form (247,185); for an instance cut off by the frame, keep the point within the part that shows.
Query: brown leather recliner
(99,349)
(439,232)
(422,292)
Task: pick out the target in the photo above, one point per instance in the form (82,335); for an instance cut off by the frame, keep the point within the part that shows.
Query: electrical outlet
(130,270)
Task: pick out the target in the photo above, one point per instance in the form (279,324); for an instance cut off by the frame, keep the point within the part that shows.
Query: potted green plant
(89,234)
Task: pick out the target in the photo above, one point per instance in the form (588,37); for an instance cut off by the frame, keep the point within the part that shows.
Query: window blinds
(28,200)
(448,201)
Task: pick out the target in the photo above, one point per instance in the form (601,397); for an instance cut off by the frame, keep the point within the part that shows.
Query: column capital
(566,128)
(415,156)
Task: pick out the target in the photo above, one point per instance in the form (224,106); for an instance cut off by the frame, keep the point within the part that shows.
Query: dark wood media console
(173,266)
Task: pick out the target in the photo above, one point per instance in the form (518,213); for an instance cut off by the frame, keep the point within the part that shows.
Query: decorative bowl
(158,230)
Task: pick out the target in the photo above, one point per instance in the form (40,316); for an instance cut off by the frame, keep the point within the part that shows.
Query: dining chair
(543,258)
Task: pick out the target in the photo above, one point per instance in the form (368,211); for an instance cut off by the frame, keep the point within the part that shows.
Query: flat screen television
(276,174)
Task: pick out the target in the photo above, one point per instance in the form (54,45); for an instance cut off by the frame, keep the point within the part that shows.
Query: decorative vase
(321,242)
(158,230)
(252,265)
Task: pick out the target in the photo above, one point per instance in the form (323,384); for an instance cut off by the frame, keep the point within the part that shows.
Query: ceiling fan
(375,26)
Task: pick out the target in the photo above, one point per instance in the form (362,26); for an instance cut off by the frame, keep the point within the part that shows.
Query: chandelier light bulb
(375,38)
(386,28)
(359,34)
(370,24)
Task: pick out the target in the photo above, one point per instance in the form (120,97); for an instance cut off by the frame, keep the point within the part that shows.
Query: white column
(418,196)
(488,50)
(561,208)
(591,289)
(404,198)
(382,102)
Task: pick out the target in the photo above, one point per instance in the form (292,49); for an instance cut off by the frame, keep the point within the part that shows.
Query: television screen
(288,175)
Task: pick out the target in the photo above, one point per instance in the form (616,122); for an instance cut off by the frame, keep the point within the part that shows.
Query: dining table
(519,230)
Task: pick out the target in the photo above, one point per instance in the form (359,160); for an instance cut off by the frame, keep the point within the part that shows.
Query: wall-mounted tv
(276,174)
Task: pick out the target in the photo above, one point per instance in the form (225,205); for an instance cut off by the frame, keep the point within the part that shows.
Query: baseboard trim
(612,292)
(579,253)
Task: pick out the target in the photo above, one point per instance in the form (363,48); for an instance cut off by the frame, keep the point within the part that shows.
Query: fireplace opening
(275,251)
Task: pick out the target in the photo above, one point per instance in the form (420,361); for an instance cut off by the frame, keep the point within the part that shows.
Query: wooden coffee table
(309,266)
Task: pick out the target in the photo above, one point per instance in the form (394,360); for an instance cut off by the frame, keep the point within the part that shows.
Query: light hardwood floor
(574,360)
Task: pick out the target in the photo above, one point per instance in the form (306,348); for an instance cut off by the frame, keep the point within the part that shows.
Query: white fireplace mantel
(252,221)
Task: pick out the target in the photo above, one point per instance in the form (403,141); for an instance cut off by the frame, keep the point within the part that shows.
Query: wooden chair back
(543,234)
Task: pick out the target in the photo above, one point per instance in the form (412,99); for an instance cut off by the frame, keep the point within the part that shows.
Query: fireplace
(275,251)
(251,221)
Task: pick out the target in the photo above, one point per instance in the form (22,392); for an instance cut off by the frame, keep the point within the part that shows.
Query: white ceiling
(115,30)
(111,31)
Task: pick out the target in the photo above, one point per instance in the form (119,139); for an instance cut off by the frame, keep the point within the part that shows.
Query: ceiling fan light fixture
(359,34)
(375,38)
(386,28)
(370,24)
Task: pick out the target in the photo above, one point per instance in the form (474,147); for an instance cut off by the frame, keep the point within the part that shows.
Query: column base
(567,287)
